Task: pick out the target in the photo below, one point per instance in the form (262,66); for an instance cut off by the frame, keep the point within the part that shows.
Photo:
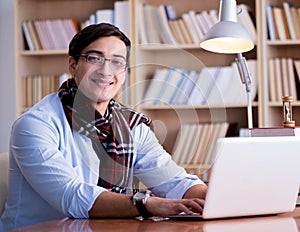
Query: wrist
(139,200)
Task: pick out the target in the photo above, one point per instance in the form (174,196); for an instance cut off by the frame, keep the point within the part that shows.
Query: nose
(105,69)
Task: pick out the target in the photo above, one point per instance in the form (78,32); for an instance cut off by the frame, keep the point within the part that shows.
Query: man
(76,153)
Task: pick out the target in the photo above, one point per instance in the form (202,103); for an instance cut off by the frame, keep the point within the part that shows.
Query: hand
(165,207)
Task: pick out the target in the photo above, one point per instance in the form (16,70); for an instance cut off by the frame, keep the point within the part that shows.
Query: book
(104,16)
(220,93)
(174,31)
(284,77)
(181,141)
(285,24)
(203,85)
(296,21)
(214,15)
(272,81)
(291,78)
(219,131)
(35,37)
(274,131)
(41,34)
(188,82)
(202,23)
(206,19)
(155,85)
(121,16)
(28,36)
(165,32)
(270,23)
(278,79)
(194,20)
(189,146)
(191,28)
(150,22)
(168,86)
(179,33)
(141,26)
(173,85)
(297,69)
(290,23)
(279,23)
(186,34)
(199,155)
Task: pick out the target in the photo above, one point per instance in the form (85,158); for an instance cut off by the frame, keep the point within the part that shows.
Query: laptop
(252,176)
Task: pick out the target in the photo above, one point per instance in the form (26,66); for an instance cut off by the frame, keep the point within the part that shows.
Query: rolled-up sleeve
(155,168)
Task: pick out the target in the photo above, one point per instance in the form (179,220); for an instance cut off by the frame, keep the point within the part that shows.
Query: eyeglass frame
(103,58)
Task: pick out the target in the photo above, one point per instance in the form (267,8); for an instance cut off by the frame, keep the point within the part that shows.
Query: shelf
(283,43)
(44,52)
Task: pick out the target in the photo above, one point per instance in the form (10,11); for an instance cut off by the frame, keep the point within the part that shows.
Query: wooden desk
(289,222)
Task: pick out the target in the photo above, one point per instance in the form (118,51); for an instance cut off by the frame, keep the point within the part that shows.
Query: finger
(194,205)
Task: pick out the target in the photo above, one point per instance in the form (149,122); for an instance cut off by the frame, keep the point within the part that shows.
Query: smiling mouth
(102,82)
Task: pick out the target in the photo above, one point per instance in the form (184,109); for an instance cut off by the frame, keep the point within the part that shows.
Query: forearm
(109,204)
(196,191)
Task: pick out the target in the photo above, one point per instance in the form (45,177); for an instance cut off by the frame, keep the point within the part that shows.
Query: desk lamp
(229,37)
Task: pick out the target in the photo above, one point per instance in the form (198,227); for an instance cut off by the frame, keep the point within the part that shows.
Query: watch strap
(140,203)
(142,209)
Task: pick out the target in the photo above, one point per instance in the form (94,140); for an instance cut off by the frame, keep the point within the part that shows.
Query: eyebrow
(101,53)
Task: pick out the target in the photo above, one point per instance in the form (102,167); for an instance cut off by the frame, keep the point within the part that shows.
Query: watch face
(139,196)
(142,195)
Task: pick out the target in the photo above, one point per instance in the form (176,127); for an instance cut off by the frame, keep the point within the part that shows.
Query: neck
(101,107)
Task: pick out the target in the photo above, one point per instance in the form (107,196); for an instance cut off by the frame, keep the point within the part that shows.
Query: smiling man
(77,152)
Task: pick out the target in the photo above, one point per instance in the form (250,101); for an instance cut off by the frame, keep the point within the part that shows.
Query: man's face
(97,80)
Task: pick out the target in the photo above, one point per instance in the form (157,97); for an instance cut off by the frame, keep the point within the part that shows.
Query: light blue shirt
(53,171)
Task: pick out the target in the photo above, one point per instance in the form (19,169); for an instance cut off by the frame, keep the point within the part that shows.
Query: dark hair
(93,32)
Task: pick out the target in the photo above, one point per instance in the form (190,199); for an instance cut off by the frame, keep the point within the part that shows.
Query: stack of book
(118,16)
(283,21)
(195,144)
(274,131)
(49,34)
(213,86)
(161,24)
(35,87)
(284,79)
(53,34)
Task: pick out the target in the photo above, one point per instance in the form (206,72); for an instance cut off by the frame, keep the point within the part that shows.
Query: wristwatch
(139,200)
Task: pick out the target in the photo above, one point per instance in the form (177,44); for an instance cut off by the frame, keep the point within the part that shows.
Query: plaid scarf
(110,134)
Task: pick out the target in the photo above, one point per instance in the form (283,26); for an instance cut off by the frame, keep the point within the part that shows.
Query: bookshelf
(146,58)
(271,111)
(189,56)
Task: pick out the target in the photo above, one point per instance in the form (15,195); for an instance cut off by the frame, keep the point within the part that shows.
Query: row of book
(283,21)
(35,87)
(195,143)
(118,16)
(49,34)
(284,74)
(161,24)
(52,34)
(214,86)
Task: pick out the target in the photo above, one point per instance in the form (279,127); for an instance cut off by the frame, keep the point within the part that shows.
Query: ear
(72,65)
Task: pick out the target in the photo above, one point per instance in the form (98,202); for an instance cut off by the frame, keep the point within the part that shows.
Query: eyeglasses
(115,63)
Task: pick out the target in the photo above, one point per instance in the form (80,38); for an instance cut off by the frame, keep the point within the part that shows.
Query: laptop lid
(253,176)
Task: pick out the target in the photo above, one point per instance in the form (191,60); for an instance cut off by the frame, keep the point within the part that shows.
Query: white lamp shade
(227,36)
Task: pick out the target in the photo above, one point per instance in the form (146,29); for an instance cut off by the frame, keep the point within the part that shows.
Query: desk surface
(289,222)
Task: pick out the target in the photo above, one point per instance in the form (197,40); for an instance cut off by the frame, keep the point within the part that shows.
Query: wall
(7,72)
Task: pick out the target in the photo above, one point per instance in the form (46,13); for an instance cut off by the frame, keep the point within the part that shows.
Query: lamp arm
(246,80)
(243,71)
